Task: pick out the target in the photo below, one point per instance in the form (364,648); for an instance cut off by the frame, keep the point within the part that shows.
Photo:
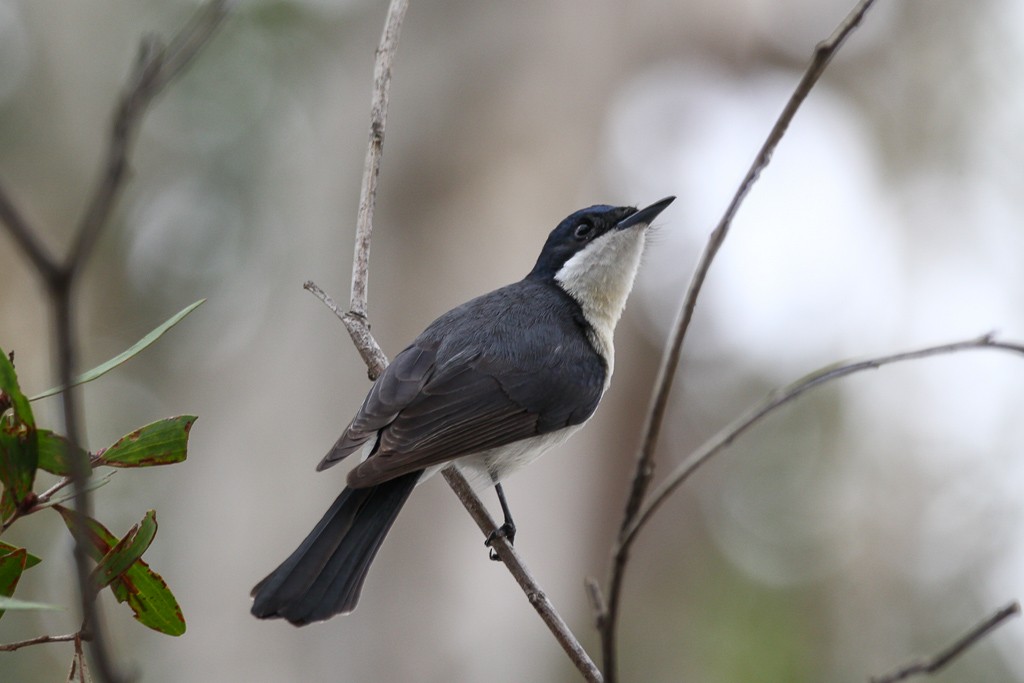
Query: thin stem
(356,322)
(153,70)
(375,149)
(781,397)
(26,238)
(510,558)
(934,664)
(358,328)
(39,640)
(644,468)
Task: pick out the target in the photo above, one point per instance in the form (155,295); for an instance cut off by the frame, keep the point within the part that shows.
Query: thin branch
(358,328)
(781,397)
(192,38)
(371,170)
(355,319)
(153,70)
(78,665)
(26,238)
(510,558)
(356,322)
(39,640)
(933,664)
(644,469)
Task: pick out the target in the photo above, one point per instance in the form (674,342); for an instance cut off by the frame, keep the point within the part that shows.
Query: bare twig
(374,151)
(154,69)
(78,665)
(358,328)
(644,469)
(356,322)
(780,397)
(510,558)
(39,640)
(26,238)
(933,664)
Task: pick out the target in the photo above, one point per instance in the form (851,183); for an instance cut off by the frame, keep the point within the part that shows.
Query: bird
(490,385)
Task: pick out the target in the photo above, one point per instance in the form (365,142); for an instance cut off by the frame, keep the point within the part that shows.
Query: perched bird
(490,385)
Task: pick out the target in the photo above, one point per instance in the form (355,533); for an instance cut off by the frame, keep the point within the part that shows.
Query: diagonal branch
(535,594)
(26,238)
(937,662)
(644,470)
(154,69)
(357,324)
(779,398)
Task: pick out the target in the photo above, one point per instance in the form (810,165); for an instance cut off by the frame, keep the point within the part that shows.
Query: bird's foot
(506,531)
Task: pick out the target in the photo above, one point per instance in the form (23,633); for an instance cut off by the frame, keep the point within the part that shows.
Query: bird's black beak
(645,215)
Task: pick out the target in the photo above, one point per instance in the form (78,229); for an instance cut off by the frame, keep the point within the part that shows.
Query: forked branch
(356,321)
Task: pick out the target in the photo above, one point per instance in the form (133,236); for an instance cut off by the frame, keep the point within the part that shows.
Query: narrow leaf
(19,451)
(138,346)
(7,505)
(129,549)
(161,443)
(55,453)
(30,559)
(7,603)
(142,588)
(11,566)
(150,598)
(19,454)
(9,385)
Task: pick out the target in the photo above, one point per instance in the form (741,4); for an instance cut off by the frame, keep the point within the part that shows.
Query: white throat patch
(599,278)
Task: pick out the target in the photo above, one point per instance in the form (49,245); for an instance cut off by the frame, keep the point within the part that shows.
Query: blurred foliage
(24,450)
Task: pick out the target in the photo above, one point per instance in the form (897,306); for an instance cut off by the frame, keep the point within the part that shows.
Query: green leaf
(7,506)
(11,566)
(19,454)
(30,559)
(7,603)
(54,451)
(9,385)
(138,346)
(161,443)
(129,549)
(19,449)
(142,588)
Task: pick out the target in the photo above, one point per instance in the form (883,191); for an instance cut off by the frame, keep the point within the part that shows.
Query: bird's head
(594,254)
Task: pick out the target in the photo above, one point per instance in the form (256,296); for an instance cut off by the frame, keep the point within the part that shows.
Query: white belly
(484,470)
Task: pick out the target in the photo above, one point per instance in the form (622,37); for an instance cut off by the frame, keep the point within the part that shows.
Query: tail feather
(324,576)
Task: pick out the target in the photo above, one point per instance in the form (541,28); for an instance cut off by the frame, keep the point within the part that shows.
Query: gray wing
(435,403)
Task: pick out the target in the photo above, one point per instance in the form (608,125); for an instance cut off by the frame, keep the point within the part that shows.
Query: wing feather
(501,383)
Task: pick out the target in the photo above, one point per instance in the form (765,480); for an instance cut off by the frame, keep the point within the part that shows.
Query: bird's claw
(506,531)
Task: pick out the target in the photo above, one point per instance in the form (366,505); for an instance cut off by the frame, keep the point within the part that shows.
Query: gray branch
(607,619)
(357,324)
(154,69)
(934,664)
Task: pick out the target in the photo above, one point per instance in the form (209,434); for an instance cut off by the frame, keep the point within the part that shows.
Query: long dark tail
(324,575)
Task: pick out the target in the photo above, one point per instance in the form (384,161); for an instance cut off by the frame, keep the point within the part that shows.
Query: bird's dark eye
(584,231)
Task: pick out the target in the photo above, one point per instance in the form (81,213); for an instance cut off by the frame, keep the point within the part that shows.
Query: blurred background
(872,521)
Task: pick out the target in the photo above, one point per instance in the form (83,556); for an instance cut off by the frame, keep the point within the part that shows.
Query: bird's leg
(508,528)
